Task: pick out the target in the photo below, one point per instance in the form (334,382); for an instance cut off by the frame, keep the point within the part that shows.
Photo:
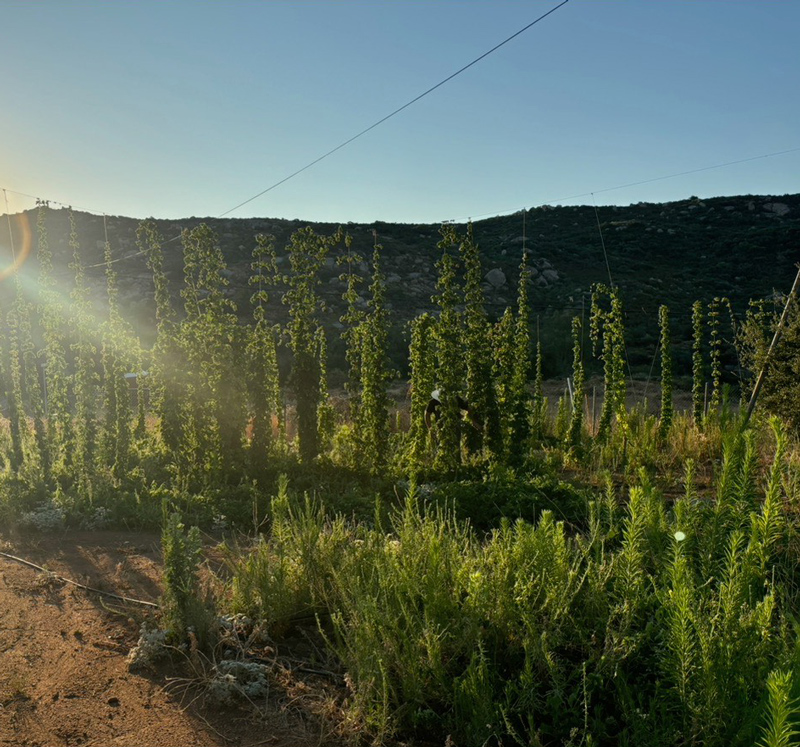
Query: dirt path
(63,675)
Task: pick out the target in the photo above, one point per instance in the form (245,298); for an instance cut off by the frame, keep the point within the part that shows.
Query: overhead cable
(396,111)
(498,213)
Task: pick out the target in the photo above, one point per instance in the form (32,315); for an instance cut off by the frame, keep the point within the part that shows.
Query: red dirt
(63,675)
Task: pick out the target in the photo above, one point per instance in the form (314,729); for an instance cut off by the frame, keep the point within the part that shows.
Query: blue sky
(177,108)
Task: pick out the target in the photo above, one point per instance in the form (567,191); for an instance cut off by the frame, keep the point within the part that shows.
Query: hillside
(674,253)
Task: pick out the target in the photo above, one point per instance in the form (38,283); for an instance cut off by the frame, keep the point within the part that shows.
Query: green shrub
(487,502)
(186,610)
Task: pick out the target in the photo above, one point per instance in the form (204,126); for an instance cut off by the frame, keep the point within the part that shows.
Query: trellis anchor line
(775,339)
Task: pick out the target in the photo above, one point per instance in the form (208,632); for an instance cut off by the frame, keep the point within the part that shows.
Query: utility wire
(610,280)
(494,214)
(355,137)
(499,213)
(54,202)
(396,111)
(602,242)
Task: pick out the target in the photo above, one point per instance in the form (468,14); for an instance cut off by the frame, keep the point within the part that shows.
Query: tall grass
(657,623)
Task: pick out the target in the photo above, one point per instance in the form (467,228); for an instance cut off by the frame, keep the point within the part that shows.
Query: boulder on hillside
(496,278)
(777,208)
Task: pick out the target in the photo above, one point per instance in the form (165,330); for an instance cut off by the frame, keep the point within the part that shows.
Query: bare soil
(64,679)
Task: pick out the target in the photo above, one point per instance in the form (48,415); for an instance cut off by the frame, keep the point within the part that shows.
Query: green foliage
(715,354)
(480,392)
(781,729)
(262,381)
(538,401)
(366,335)
(780,392)
(768,526)
(325,415)
(503,366)
(289,577)
(666,373)
(167,389)
(352,333)
(13,378)
(215,411)
(635,623)
(82,326)
(521,407)
(52,319)
(563,416)
(698,374)
(119,356)
(373,417)
(505,496)
(606,322)
(423,369)
(576,421)
(185,611)
(307,252)
(448,336)
(496,603)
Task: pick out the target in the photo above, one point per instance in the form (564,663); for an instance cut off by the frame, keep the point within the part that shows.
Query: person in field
(435,403)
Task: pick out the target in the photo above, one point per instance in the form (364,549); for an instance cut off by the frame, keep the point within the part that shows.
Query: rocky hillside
(675,253)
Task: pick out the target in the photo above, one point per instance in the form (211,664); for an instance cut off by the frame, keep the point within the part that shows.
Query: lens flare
(18,245)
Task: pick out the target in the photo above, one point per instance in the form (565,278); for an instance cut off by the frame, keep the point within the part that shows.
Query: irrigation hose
(91,589)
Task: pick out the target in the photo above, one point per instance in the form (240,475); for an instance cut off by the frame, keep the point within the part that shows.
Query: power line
(610,280)
(54,202)
(498,213)
(396,111)
(350,140)
(603,243)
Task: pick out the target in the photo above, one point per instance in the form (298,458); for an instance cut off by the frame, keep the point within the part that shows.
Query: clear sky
(178,108)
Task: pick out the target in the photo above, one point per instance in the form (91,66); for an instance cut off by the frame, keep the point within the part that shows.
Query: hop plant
(666,373)
(576,420)
(698,375)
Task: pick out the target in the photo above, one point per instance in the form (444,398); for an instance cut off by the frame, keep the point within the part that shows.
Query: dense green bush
(186,612)
(780,393)
(503,495)
(649,623)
